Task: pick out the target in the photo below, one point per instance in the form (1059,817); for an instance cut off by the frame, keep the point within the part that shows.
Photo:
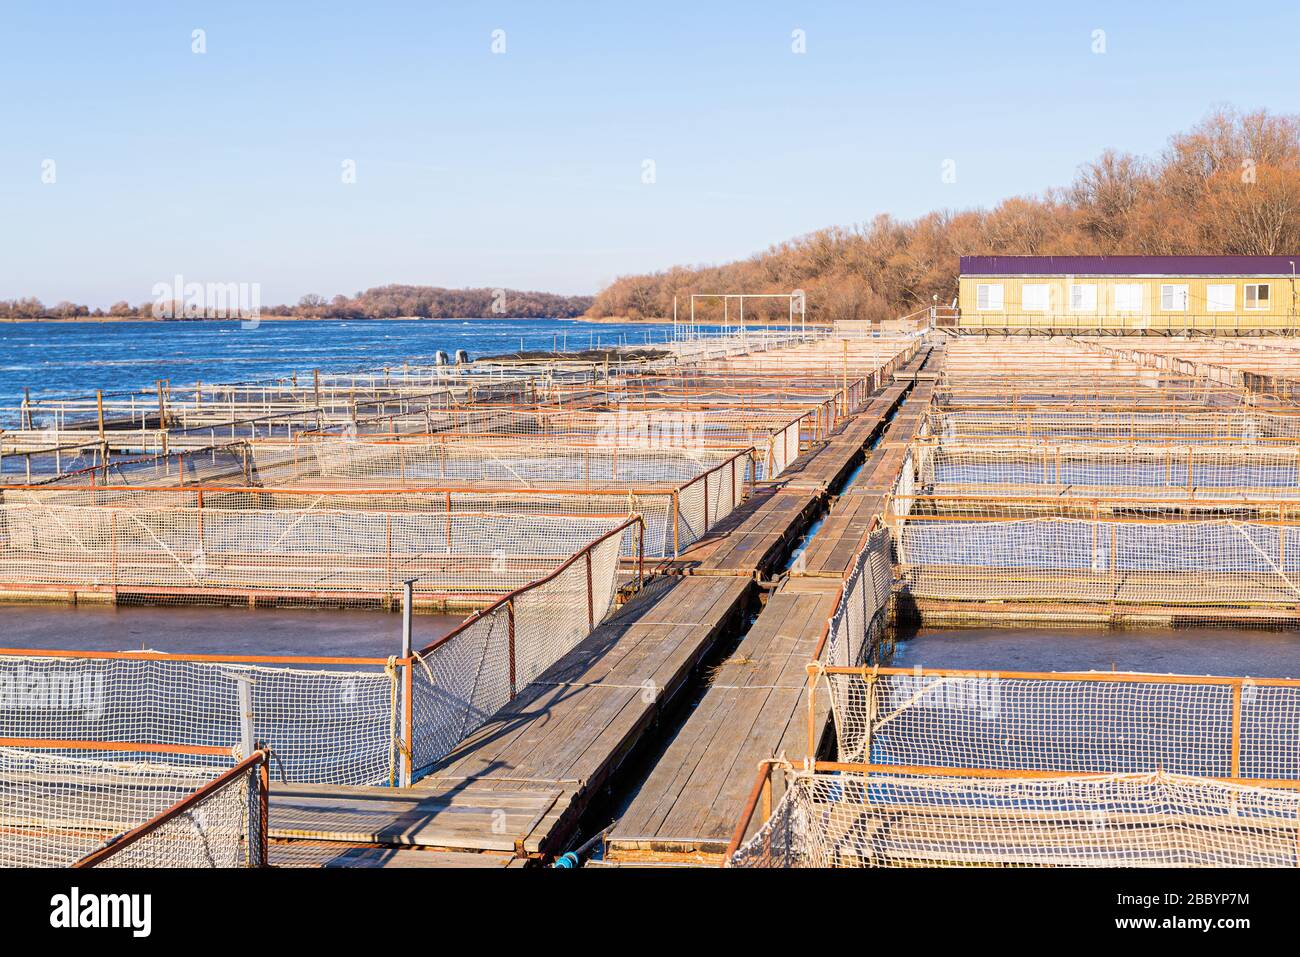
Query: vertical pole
(246,740)
(264,808)
(591,597)
(408,610)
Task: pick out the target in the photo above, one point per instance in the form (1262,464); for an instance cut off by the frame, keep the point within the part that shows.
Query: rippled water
(79,357)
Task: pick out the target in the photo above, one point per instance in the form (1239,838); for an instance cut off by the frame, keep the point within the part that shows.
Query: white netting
(1134,560)
(1203,471)
(468,677)
(1214,428)
(359,463)
(1216,727)
(341,724)
(329,547)
(775,436)
(324,725)
(55,809)
(1130,820)
(859,618)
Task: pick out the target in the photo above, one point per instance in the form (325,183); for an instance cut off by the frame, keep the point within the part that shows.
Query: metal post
(246,740)
(405,722)
(407,611)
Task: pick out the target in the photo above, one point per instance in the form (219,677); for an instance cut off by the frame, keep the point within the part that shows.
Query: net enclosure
(1205,552)
(879,818)
(939,767)
(131,809)
(340,720)
(326,546)
(1223,727)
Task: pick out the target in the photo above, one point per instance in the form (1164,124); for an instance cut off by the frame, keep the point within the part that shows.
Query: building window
(1083,298)
(1128,297)
(988,297)
(1220,297)
(1034,297)
(1257,295)
(1174,297)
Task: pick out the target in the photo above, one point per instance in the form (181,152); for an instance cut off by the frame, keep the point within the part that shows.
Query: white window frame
(1212,302)
(1134,288)
(1046,303)
(982,292)
(1091,304)
(1178,289)
(1256,286)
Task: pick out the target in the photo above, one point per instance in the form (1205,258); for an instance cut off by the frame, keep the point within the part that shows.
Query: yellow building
(1161,295)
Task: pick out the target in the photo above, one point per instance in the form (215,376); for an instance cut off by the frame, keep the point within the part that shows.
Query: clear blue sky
(524,169)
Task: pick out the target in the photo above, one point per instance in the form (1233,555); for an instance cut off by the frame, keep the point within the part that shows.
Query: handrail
(257,759)
(510,596)
(1120,677)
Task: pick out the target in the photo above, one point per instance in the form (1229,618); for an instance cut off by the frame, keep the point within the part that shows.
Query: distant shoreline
(591,320)
(110,319)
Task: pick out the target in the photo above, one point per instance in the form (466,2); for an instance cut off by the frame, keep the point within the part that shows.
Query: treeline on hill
(382,302)
(1230,186)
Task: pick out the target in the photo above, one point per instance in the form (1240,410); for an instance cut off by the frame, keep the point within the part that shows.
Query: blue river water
(77,358)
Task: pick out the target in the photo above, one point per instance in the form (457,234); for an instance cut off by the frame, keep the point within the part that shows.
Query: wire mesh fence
(875,818)
(135,809)
(1254,427)
(327,547)
(1239,728)
(1206,553)
(1183,470)
(340,720)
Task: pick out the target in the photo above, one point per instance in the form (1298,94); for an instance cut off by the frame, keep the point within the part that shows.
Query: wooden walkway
(755,706)
(520,784)
(520,788)
(832,550)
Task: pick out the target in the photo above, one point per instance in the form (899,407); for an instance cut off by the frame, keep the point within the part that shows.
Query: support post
(247,743)
(404,664)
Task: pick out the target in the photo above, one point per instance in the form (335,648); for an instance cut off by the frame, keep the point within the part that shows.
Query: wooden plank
(690,801)
(334,854)
(480,819)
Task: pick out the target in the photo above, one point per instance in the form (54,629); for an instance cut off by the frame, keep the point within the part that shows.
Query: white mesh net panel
(327,546)
(468,677)
(1129,820)
(1217,727)
(1215,428)
(992,553)
(859,618)
(339,724)
(54,810)
(1203,471)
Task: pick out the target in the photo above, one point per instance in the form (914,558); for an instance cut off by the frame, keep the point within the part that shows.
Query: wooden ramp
(755,706)
(520,784)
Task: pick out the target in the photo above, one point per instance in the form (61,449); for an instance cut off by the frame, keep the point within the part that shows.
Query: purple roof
(1128,265)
